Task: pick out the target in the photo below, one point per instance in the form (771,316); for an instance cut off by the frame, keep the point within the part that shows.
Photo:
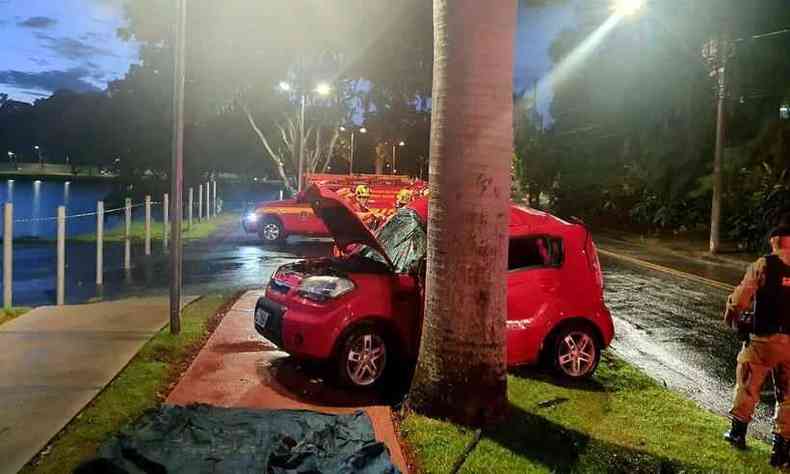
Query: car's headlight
(251,217)
(323,288)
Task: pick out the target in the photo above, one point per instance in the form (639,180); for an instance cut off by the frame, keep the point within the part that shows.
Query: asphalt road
(671,328)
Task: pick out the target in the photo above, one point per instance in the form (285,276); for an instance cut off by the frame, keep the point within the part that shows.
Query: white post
(61,278)
(200,203)
(8,255)
(208,200)
(281,195)
(127,247)
(148,225)
(100,243)
(165,219)
(191,205)
(214,197)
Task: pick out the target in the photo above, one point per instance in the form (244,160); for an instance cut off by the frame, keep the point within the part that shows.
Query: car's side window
(535,252)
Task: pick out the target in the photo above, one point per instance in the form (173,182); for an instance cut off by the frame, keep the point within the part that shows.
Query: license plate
(261,317)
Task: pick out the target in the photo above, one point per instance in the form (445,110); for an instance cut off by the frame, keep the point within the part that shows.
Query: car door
(534,264)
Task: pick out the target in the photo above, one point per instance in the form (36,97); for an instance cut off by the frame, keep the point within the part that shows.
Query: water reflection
(36,232)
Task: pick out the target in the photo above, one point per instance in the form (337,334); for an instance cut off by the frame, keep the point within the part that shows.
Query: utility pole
(718,52)
(177,174)
(300,166)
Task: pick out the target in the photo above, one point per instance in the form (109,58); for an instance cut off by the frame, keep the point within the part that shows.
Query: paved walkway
(239,368)
(55,360)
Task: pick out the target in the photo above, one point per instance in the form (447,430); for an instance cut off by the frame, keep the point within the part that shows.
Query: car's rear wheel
(271,231)
(575,351)
(363,356)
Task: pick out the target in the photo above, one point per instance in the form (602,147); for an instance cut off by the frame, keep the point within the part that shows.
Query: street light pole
(351,160)
(301,143)
(718,53)
(177,174)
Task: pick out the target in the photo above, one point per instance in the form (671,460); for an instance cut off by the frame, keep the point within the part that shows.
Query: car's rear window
(534,252)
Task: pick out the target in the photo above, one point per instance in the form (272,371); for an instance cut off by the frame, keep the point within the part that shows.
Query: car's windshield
(403,238)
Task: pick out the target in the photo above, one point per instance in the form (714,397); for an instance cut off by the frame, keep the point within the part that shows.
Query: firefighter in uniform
(766,288)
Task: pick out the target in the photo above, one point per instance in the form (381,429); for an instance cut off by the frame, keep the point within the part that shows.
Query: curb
(671,271)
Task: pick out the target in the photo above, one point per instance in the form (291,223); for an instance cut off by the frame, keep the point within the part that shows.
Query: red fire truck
(373,197)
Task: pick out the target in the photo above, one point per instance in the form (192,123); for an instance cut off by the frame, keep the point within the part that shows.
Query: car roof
(523,220)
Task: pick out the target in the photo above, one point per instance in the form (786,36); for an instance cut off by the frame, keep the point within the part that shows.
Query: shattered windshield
(403,238)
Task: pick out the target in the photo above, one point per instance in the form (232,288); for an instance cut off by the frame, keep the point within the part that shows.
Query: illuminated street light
(285,86)
(323,88)
(627,7)
(362,130)
(395,156)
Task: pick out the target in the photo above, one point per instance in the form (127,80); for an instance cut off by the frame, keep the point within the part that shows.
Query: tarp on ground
(201,439)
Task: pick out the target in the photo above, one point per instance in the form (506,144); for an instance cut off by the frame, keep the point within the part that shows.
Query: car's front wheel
(575,351)
(362,358)
(271,231)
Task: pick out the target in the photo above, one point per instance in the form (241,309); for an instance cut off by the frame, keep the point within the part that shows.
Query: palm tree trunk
(461,370)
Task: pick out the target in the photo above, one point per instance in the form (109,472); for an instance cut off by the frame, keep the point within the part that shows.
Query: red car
(362,311)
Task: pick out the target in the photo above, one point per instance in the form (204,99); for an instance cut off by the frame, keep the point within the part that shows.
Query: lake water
(36,206)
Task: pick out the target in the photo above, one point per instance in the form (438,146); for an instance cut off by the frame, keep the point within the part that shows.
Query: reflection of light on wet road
(66,192)
(36,206)
(671,328)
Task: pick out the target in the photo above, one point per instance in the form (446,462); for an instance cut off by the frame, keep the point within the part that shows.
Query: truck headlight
(323,288)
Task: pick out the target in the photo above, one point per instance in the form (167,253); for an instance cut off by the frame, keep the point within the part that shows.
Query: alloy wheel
(576,354)
(271,231)
(366,359)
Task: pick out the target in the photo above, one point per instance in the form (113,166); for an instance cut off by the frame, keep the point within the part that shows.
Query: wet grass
(143,384)
(199,230)
(621,421)
(13,313)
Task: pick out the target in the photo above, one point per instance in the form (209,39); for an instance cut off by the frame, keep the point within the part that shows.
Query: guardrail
(205,211)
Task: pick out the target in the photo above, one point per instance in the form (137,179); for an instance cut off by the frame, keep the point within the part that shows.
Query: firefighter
(403,198)
(362,197)
(766,288)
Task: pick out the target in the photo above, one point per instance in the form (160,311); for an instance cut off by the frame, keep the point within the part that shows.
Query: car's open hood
(344,224)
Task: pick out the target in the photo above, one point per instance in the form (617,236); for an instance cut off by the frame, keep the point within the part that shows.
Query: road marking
(670,271)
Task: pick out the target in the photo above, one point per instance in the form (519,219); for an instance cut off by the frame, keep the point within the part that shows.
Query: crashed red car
(362,311)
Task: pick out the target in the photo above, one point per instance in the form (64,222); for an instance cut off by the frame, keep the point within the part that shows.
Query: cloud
(38,22)
(71,48)
(75,79)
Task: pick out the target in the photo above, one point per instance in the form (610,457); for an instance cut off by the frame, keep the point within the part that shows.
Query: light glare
(323,89)
(628,7)
(285,86)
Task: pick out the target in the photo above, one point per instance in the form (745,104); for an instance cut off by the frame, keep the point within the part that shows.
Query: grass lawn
(199,230)
(9,314)
(620,421)
(143,384)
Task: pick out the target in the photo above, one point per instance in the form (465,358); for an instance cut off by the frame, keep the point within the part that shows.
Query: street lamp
(627,7)
(322,89)
(361,130)
(394,155)
(38,151)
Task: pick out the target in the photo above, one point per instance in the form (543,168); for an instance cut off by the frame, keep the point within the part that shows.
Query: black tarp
(204,439)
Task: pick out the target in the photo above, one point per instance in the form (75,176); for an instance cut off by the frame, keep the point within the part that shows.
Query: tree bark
(274,156)
(461,371)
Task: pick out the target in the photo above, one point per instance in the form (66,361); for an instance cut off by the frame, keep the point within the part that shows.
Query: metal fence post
(148,225)
(200,202)
(61,278)
(127,247)
(100,243)
(281,195)
(8,256)
(214,197)
(208,199)
(191,205)
(165,219)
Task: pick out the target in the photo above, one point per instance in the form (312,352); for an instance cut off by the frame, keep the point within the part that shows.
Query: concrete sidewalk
(55,360)
(239,368)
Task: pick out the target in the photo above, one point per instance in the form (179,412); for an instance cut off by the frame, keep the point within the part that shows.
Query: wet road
(671,328)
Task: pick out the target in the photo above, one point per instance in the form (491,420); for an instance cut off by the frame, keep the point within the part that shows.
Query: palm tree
(461,372)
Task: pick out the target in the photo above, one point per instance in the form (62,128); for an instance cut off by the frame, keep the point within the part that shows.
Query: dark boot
(737,434)
(779,452)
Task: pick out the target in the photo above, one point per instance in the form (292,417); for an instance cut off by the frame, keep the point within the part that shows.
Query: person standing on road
(766,288)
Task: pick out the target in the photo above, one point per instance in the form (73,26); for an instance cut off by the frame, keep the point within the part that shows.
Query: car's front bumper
(300,331)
